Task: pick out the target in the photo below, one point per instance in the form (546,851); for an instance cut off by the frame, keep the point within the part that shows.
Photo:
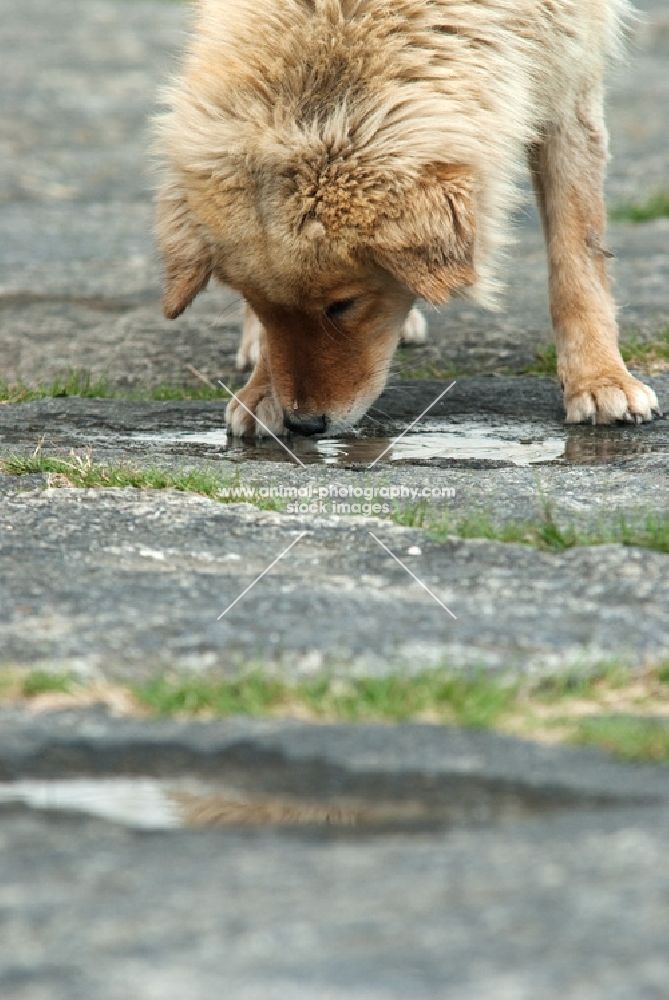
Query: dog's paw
(254,413)
(414,330)
(607,398)
(249,346)
(247,355)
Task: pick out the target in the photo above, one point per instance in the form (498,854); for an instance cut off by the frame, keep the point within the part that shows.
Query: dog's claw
(263,406)
(610,401)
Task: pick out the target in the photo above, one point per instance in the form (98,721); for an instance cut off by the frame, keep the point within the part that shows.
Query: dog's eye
(336,309)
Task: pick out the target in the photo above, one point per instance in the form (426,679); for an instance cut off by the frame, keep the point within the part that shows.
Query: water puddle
(372,803)
(137,802)
(157,804)
(517,443)
(520,446)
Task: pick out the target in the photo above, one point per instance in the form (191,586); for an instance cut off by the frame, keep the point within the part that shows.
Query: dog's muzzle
(305,424)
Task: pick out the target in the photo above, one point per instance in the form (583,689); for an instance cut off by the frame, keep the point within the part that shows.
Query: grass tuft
(649,531)
(570,705)
(81,472)
(655,207)
(469,701)
(168,393)
(579,684)
(79,383)
(75,383)
(626,737)
(622,711)
(405,365)
(252,694)
(650,355)
(545,362)
(39,682)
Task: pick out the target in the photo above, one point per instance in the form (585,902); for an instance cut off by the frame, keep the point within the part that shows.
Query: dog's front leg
(249,345)
(568,175)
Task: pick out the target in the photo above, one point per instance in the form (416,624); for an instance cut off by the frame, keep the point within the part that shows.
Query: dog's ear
(187,253)
(427,239)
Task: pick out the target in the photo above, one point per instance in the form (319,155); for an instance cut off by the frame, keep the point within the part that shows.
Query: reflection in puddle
(518,443)
(138,802)
(600,445)
(171,803)
(464,441)
(366,803)
(155,804)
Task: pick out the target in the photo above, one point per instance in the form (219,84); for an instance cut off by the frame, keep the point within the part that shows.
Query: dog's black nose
(305,424)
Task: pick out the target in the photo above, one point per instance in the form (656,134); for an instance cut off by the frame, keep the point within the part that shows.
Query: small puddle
(137,802)
(517,443)
(465,441)
(157,804)
(377,806)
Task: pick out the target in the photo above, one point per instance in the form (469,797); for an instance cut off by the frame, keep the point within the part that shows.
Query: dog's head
(330,264)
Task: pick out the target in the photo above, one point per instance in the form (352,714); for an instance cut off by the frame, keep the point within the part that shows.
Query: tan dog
(333,160)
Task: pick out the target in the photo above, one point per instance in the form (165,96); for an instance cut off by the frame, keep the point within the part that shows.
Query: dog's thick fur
(333,160)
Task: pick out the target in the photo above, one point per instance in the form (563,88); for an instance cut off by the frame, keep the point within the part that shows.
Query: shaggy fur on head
(335,159)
